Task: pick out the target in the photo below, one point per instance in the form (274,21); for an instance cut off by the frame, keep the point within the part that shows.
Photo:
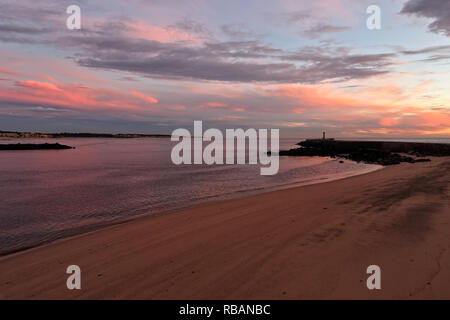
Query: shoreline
(197,203)
(262,246)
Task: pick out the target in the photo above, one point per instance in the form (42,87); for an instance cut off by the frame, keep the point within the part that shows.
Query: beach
(308,242)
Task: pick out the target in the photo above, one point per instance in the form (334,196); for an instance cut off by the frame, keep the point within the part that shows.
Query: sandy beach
(310,242)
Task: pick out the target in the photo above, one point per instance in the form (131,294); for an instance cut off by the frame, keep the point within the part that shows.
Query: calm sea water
(50,194)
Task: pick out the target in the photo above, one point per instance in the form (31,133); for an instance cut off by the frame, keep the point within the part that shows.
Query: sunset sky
(154,66)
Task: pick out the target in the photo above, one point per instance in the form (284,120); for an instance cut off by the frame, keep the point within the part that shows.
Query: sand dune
(310,242)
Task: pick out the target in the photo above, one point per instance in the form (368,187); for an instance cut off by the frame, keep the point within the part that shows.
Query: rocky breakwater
(375,152)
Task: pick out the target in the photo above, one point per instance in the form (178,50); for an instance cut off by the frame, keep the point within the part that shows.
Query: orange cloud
(376,98)
(388,122)
(299,110)
(434,119)
(391,107)
(311,95)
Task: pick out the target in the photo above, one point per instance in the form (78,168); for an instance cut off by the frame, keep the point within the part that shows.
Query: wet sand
(309,242)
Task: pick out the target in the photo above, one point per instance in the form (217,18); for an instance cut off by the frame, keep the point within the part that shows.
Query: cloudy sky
(156,65)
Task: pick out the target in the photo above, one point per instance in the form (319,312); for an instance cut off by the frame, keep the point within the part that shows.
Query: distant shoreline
(39,135)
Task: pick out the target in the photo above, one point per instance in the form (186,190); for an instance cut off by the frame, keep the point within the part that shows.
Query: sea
(51,194)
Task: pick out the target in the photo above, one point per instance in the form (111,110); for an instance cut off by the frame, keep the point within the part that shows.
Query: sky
(300,66)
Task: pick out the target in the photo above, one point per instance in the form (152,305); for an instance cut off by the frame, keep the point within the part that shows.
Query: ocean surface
(51,194)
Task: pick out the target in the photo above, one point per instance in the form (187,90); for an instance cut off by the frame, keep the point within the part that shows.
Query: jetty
(376,152)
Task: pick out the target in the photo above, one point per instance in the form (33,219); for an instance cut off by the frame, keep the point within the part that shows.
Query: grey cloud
(15,28)
(242,49)
(312,23)
(229,61)
(327,57)
(437,58)
(108,46)
(15,11)
(129,79)
(200,70)
(439,10)
(239,31)
(22,25)
(426,50)
(192,26)
(437,53)
(295,17)
(21,33)
(321,29)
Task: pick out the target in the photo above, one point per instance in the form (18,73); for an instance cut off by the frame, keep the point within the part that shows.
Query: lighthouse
(323,135)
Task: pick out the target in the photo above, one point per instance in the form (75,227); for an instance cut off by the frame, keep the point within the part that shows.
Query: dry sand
(303,243)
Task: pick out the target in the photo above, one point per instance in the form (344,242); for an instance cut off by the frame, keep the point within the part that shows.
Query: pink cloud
(141,29)
(37,85)
(7,71)
(76,96)
(213,105)
(143,96)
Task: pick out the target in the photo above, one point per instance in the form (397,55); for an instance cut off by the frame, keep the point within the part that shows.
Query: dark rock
(31,146)
(375,152)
